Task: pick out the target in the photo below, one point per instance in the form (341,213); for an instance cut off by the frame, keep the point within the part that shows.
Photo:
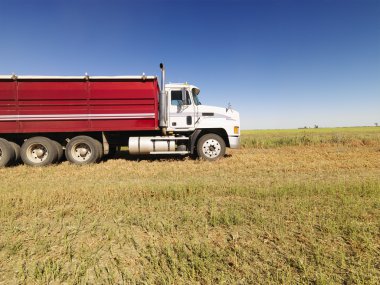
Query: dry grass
(306,214)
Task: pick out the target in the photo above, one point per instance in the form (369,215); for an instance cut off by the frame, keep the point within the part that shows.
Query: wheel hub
(39,153)
(83,151)
(211,148)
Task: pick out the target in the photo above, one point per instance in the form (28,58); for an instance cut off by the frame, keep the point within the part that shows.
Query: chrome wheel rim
(81,152)
(37,153)
(211,148)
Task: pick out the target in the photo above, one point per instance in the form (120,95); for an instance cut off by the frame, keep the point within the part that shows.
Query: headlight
(236,130)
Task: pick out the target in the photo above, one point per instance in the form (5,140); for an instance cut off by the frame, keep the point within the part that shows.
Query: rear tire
(7,154)
(38,151)
(17,150)
(211,147)
(83,150)
(59,151)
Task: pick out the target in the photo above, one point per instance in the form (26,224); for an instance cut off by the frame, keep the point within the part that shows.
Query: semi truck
(85,118)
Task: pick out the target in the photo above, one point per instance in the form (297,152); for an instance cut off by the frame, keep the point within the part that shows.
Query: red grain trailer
(78,104)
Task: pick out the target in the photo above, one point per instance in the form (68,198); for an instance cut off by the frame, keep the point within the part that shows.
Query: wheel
(211,147)
(59,150)
(7,154)
(83,150)
(17,150)
(38,151)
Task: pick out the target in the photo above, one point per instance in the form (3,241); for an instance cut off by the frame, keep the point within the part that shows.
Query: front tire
(83,150)
(38,151)
(211,147)
(7,154)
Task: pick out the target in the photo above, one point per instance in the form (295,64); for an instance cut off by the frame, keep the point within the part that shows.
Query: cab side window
(176,98)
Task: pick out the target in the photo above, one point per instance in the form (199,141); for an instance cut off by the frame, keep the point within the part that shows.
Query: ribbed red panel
(74,106)
(8,106)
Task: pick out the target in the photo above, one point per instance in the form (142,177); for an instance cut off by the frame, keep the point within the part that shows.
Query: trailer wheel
(17,150)
(7,153)
(83,150)
(211,147)
(38,151)
(59,150)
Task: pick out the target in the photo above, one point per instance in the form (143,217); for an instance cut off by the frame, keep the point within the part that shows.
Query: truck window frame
(179,91)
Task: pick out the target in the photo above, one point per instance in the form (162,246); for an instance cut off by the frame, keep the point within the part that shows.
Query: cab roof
(182,85)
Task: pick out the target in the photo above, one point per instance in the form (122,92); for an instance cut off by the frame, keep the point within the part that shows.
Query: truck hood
(218,112)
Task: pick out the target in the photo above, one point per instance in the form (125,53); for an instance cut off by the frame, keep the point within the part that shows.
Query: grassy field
(357,136)
(290,207)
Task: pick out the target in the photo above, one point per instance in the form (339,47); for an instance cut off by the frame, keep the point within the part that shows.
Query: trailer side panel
(33,106)
(8,107)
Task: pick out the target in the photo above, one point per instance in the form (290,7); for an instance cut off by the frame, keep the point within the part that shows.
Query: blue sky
(282,64)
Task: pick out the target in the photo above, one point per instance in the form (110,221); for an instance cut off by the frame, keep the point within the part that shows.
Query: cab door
(181,110)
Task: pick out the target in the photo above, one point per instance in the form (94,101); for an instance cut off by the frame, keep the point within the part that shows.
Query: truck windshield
(196,100)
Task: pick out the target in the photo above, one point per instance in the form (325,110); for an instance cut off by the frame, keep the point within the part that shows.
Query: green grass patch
(355,136)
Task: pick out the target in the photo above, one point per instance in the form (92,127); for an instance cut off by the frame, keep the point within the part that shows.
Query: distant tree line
(316,126)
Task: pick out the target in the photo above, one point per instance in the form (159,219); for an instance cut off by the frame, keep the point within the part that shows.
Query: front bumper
(234,141)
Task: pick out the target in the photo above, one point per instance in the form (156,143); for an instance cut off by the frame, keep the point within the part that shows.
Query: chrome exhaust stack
(163,109)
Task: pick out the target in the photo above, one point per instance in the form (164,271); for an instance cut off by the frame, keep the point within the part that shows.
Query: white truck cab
(187,114)
(188,127)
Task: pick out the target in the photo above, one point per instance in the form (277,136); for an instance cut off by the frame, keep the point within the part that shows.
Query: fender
(193,138)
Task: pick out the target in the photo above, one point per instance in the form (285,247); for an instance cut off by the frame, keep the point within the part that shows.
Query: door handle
(189,120)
